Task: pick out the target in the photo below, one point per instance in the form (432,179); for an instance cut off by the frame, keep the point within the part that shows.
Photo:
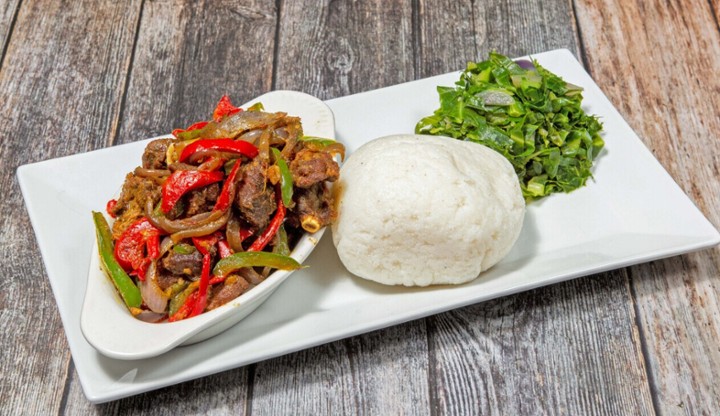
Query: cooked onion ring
(152,295)
(151,173)
(202,230)
(175,226)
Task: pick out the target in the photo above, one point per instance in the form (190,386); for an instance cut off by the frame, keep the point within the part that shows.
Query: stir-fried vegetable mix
(528,114)
(214,210)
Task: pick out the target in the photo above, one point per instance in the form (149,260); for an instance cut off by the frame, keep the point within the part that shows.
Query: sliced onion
(211,164)
(175,226)
(251,136)
(525,64)
(151,173)
(154,297)
(165,245)
(203,154)
(232,234)
(150,316)
(336,148)
(203,230)
(250,275)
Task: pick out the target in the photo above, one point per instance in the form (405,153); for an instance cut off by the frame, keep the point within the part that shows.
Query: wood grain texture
(188,55)
(567,349)
(384,372)
(663,79)
(61,82)
(220,394)
(337,48)
(8,11)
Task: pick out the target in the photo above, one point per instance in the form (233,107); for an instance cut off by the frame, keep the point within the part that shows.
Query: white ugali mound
(421,210)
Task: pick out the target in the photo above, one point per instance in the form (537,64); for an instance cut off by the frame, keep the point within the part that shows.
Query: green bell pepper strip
(181,297)
(124,284)
(286,180)
(281,245)
(254,259)
(318,140)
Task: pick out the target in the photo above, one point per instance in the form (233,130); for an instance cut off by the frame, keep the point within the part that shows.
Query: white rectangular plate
(630,213)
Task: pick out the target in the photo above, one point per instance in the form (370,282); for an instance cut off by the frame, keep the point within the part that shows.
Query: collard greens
(531,116)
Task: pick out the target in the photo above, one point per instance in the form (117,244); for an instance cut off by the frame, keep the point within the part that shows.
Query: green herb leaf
(531,116)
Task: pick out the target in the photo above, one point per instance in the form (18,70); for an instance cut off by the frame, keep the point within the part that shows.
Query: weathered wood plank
(335,49)
(221,394)
(191,53)
(384,372)
(519,28)
(571,348)
(568,349)
(61,82)
(447,36)
(659,64)
(8,9)
(338,49)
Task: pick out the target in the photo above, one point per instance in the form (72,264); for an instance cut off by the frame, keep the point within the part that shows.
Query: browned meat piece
(310,167)
(189,265)
(233,287)
(202,200)
(154,155)
(314,208)
(131,204)
(165,280)
(254,199)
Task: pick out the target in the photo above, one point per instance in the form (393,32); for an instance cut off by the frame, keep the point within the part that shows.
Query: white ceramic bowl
(113,331)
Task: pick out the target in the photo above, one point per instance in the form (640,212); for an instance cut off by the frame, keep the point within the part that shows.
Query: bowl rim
(120,340)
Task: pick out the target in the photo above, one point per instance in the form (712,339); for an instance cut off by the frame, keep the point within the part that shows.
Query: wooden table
(82,75)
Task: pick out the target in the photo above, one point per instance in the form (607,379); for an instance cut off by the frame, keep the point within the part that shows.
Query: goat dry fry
(214,210)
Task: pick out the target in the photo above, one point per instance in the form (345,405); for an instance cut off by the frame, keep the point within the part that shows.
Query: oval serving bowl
(106,322)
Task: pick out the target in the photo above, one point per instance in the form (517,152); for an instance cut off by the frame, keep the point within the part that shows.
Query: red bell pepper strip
(245,233)
(224,249)
(186,308)
(138,246)
(271,229)
(224,108)
(223,145)
(223,201)
(201,301)
(182,181)
(197,126)
(110,207)
(205,243)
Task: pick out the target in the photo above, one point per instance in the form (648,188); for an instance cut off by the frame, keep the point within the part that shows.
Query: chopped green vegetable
(123,283)
(531,116)
(181,296)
